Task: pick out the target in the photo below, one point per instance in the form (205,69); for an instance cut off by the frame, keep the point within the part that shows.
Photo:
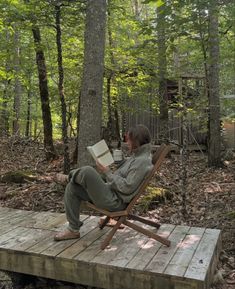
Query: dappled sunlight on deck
(132,260)
(189,242)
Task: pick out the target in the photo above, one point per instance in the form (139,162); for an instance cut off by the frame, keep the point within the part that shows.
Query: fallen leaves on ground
(210,194)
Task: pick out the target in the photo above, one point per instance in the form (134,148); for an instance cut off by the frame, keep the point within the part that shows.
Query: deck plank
(126,253)
(92,249)
(8,239)
(33,237)
(12,218)
(94,275)
(200,262)
(180,261)
(58,247)
(15,216)
(111,252)
(131,261)
(4,211)
(46,243)
(48,221)
(88,236)
(7,227)
(164,255)
(149,249)
(44,220)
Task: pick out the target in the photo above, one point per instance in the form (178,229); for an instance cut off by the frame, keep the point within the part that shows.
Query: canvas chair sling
(123,216)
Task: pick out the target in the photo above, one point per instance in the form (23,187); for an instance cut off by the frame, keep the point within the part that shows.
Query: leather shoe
(61,179)
(66,235)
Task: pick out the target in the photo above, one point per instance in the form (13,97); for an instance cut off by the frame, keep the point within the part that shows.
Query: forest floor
(210,198)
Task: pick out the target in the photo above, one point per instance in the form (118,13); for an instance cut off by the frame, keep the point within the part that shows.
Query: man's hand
(101,168)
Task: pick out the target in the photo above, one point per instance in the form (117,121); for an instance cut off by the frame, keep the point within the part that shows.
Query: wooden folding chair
(122,216)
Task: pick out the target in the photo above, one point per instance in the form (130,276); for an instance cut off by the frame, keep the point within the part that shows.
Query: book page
(89,148)
(106,159)
(101,152)
(100,148)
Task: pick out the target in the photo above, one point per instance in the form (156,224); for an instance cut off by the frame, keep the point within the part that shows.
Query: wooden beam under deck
(132,260)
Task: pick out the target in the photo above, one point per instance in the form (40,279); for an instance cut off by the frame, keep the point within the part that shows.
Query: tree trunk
(35,128)
(90,108)
(43,87)
(109,135)
(4,113)
(203,42)
(113,118)
(162,68)
(214,157)
(61,89)
(184,146)
(17,88)
(28,120)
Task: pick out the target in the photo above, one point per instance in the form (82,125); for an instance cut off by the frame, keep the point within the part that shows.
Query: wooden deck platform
(132,260)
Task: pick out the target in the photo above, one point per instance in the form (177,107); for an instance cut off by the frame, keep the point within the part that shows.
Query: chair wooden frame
(123,216)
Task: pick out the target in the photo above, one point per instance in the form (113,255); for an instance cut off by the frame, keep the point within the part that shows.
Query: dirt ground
(210,198)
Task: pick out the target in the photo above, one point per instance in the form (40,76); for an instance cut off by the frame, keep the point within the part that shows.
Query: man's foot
(61,179)
(66,235)
(111,223)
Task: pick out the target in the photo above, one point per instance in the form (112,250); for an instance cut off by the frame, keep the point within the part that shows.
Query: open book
(101,152)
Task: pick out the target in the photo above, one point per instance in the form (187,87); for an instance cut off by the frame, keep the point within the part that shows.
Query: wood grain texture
(202,258)
(131,261)
(149,249)
(182,257)
(89,234)
(160,261)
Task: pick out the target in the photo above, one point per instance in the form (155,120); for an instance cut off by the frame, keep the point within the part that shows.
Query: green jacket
(127,178)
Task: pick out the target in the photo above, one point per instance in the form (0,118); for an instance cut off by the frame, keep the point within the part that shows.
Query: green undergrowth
(231,215)
(17,177)
(151,198)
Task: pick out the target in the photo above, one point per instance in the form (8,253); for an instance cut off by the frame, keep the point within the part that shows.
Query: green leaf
(3,74)
(156,3)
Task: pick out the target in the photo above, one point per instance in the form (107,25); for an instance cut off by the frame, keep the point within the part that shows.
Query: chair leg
(145,221)
(110,235)
(104,223)
(147,233)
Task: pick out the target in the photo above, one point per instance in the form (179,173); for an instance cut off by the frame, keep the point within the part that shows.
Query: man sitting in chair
(113,193)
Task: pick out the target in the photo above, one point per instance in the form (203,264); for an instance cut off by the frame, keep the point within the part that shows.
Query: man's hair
(139,135)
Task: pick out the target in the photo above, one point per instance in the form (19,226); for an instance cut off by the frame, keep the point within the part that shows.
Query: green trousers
(86,184)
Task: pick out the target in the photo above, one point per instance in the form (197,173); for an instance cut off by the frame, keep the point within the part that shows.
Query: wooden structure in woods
(132,261)
(229,134)
(229,124)
(140,110)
